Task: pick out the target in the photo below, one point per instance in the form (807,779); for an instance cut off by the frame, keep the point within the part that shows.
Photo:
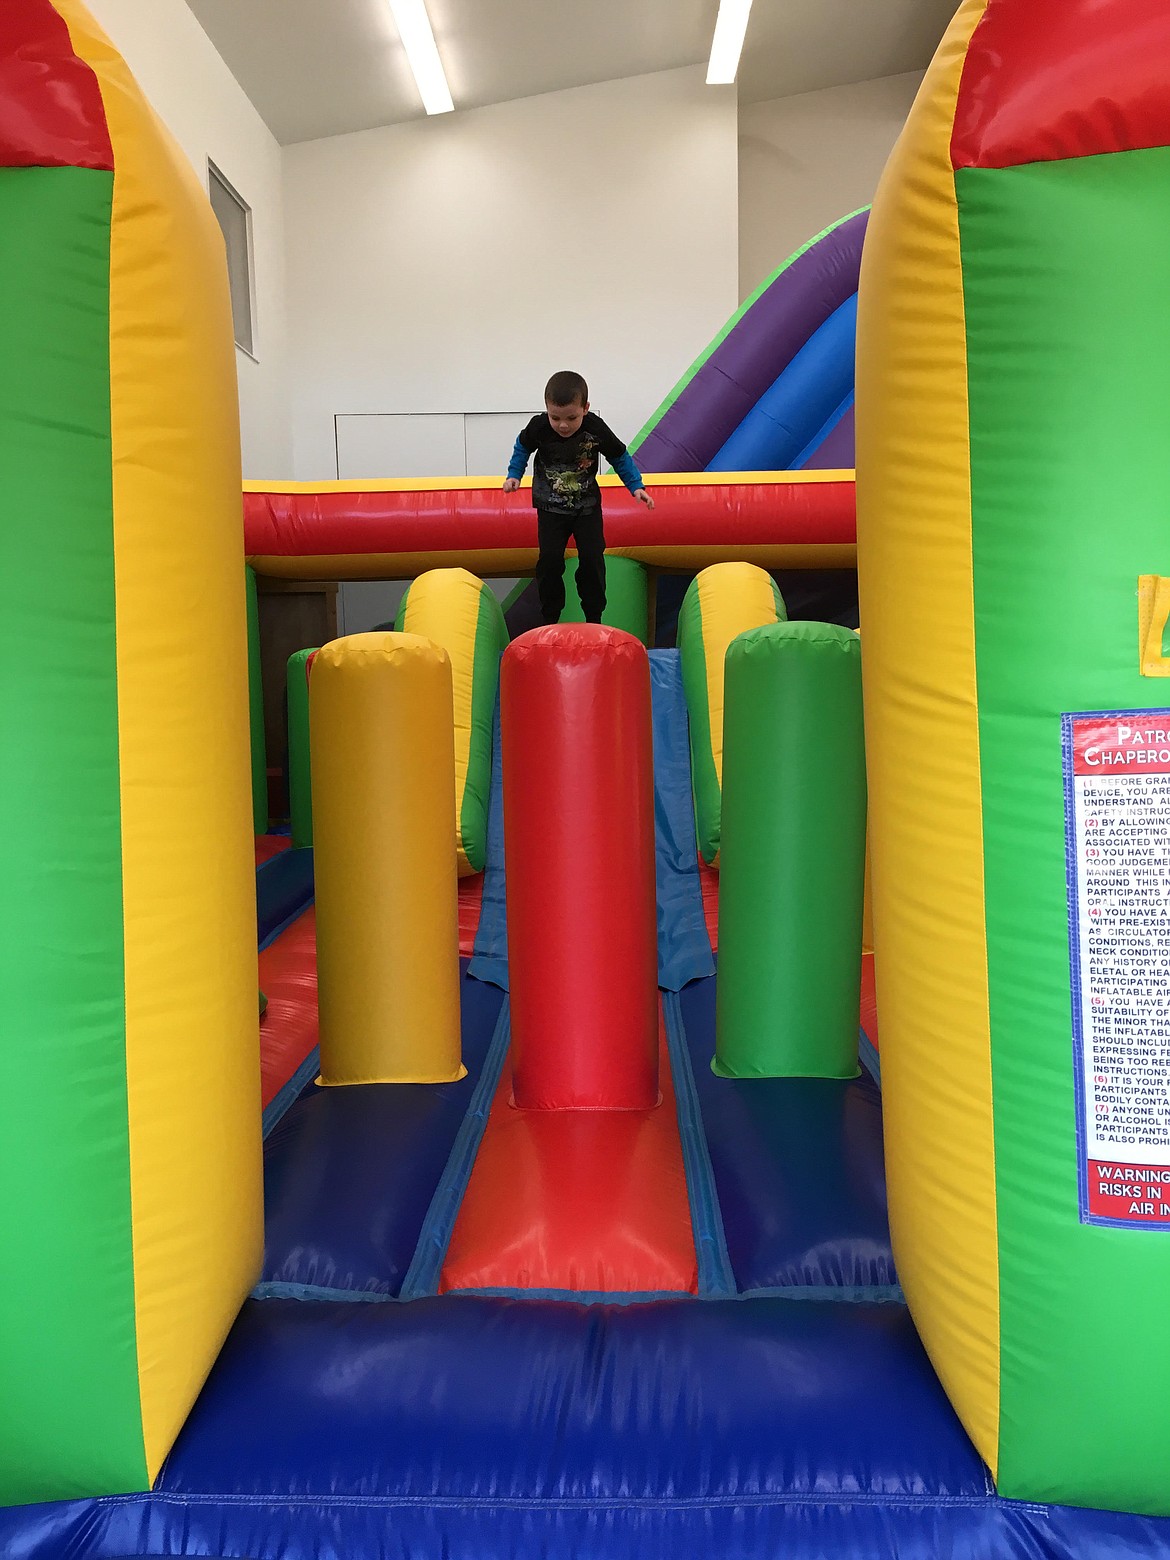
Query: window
(235,219)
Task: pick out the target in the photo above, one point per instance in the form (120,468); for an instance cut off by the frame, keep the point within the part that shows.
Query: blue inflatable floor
(798,1419)
(461,1428)
(798,1172)
(350,1174)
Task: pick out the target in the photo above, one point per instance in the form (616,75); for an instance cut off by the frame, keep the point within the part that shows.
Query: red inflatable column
(579,836)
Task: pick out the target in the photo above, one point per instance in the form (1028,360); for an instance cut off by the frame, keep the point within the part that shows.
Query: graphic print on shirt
(570,483)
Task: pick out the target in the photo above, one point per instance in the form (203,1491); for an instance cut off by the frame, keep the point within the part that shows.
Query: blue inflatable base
(460,1428)
(806,1424)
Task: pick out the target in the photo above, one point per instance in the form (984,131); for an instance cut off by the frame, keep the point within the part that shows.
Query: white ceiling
(324,67)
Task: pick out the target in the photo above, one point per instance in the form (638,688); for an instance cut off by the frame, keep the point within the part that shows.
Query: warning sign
(1117,823)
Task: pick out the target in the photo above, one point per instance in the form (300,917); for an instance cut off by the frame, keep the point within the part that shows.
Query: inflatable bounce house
(511,1228)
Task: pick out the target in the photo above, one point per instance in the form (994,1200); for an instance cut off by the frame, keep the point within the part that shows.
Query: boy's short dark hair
(566,389)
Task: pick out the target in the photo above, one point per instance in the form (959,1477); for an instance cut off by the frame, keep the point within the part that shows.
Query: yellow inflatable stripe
(191,1016)
(778,555)
(737,597)
(431,596)
(522,560)
(469,484)
(914,556)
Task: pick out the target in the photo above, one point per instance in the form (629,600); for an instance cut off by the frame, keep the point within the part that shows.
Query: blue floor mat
(799,1170)
(486,1429)
(349,1174)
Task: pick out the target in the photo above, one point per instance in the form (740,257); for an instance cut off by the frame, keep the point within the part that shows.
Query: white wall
(450,265)
(805,161)
(198,98)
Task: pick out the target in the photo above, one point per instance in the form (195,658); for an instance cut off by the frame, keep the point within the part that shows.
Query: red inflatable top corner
(1048,80)
(51,110)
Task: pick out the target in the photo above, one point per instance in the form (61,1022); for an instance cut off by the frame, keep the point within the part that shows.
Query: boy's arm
(623,464)
(625,468)
(521,450)
(519,462)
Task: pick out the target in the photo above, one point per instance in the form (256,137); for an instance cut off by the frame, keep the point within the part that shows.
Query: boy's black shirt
(564,473)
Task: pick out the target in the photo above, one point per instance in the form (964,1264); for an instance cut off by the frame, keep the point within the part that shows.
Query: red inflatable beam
(333,522)
(579,844)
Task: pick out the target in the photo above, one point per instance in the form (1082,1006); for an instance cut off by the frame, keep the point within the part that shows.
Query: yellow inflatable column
(383,764)
(922,756)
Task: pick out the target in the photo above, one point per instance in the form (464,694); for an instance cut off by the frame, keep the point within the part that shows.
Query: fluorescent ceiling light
(414,28)
(727,44)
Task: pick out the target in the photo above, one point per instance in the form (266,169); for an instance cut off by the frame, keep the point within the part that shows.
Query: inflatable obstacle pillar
(793,847)
(722,601)
(300,774)
(383,770)
(579,837)
(459,612)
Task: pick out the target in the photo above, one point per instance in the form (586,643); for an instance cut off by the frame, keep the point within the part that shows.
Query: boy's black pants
(554,531)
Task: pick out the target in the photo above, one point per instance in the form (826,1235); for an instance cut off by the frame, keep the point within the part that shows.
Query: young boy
(567,440)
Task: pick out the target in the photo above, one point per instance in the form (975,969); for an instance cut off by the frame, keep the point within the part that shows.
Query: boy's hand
(644,498)
(511,484)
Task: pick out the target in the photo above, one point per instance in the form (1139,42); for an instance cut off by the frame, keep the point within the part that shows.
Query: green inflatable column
(793,854)
(256,712)
(627,597)
(300,782)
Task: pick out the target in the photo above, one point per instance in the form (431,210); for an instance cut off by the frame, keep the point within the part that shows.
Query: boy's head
(566,400)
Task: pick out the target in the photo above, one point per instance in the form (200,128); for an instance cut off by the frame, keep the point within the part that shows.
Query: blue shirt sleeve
(519,461)
(625,468)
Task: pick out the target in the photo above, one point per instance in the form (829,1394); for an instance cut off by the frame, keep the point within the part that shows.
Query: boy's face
(566,419)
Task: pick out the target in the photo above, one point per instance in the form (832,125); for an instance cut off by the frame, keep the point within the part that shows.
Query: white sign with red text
(1117,800)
